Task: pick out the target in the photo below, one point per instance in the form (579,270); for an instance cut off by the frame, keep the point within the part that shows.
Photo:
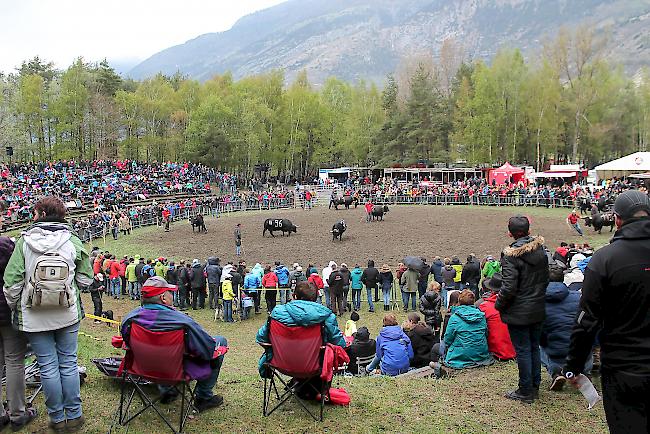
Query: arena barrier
(476,200)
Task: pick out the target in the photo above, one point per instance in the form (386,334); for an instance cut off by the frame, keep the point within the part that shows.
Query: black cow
(283,225)
(198,223)
(345,201)
(378,212)
(604,203)
(599,221)
(584,205)
(338,229)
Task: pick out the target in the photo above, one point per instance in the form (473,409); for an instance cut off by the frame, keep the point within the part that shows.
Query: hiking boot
(536,393)
(206,404)
(57,427)
(516,395)
(74,425)
(558,383)
(24,420)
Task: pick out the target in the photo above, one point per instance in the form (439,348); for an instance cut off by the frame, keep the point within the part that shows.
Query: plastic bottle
(587,388)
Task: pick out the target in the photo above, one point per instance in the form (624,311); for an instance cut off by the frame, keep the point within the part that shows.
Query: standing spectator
(96,288)
(368,207)
(521,303)
(172,278)
(448,276)
(114,276)
(13,344)
(386,281)
(213,271)
(326,275)
(238,239)
(409,284)
(139,274)
(455,263)
(357,286)
(183,285)
(436,269)
(252,283)
(346,285)
(124,262)
(316,280)
(282,273)
(370,278)
(491,266)
(52,325)
(228,297)
(336,284)
(616,301)
(471,274)
(499,342)
(270,285)
(198,285)
(132,280)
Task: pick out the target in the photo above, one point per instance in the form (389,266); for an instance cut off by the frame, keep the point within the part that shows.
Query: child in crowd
(351,325)
(430,306)
(228,297)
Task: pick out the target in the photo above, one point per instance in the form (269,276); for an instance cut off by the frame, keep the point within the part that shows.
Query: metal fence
(477,200)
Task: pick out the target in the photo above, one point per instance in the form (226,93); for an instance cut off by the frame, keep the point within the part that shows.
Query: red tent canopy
(506,174)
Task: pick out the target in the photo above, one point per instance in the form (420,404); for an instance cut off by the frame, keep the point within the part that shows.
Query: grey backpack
(49,284)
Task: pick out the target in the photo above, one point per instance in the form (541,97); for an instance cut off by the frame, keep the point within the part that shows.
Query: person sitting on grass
(422,339)
(499,342)
(302,311)
(158,314)
(430,307)
(362,346)
(465,339)
(393,351)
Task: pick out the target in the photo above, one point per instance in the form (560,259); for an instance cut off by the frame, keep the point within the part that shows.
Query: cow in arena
(198,223)
(584,205)
(282,225)
(605,203)
(378,212)
(345,201)
(338,229)
(599,221)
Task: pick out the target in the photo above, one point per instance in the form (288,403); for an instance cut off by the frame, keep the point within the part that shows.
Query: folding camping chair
(155,357)
(297,352)
(362,364)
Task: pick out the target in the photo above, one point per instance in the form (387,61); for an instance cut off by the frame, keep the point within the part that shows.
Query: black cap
(630,202)
(519,225)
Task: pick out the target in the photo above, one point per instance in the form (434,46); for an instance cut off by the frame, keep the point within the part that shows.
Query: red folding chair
(155,357)
(297,352)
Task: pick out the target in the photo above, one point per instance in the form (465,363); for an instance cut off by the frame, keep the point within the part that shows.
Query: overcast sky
(123,31)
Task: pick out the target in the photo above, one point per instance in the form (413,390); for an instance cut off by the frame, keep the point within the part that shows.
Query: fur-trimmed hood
(524,245)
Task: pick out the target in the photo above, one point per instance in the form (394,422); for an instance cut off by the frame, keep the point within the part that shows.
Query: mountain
(354,39)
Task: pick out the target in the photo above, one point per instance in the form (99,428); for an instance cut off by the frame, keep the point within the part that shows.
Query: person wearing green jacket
(48,309)
(160,269)
(491,267)
(465,339)
(409,284)
(132,280)
(356,285)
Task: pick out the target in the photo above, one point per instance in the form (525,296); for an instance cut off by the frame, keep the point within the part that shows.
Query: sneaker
(74,425)
(203,405)
(24,420)
(558,383)
(57,427)
(518,396)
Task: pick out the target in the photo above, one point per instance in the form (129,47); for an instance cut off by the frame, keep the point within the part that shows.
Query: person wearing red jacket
(123,263)
(166,215)
(368,207)
(114,276)
(499,343)
(270,283)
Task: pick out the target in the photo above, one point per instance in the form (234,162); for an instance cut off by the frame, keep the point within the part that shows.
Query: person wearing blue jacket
(301,312)
(356,286)
(562,307)
(436,269)
(394,350)
(252,282)
(282,274)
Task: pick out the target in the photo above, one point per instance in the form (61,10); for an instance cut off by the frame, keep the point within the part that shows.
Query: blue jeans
(283,296)
(554,366)
(369,293)
(385,292)
(134,290)
(578,229)
(525,339)
(227,310)
(116,287)
(238,250)
(56,352)
(356,298)
(443,295)
(405,299)
(328,301)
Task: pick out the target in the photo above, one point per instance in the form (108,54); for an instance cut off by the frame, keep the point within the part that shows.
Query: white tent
(638,162)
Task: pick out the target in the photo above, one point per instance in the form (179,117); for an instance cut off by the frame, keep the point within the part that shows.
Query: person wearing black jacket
(615,302)
(172,278)
(471,274)
(422,339)
(197,283)
(430,307)
(138,272)
(337,287)
(362,346)
(370,278)
(213,271)
(521,303)
(183,285)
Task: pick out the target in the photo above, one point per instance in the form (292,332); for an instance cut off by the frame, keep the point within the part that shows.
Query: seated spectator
(465,339)
(453,304)
(302,311)
(362,346)
(158,314)
(351,325)
(574,278)
(499,343)
(393,350)
(430,306)
(422,340)
(562,307)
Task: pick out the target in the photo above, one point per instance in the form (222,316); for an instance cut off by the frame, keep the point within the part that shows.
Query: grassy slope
(472,401)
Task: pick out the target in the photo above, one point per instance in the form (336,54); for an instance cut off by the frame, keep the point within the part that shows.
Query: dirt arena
(406,230)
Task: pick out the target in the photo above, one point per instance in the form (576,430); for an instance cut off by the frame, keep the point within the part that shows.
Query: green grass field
(471,401)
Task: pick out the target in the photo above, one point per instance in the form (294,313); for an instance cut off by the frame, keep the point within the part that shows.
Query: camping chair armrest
(265,345)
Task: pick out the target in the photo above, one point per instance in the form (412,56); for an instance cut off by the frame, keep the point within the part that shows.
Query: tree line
(567,104)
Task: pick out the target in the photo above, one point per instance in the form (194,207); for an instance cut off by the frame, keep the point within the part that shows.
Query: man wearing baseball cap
(158,314)
(616,301)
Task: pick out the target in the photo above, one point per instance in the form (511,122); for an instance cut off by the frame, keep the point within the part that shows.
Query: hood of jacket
(391,333)
(556,292)
(437,263)
(638,229)
(574,276)
(212,260)
(469,314)
(301,313)
(524,245)
(44,237)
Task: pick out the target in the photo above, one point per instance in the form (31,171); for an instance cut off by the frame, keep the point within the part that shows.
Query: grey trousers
(13,346)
